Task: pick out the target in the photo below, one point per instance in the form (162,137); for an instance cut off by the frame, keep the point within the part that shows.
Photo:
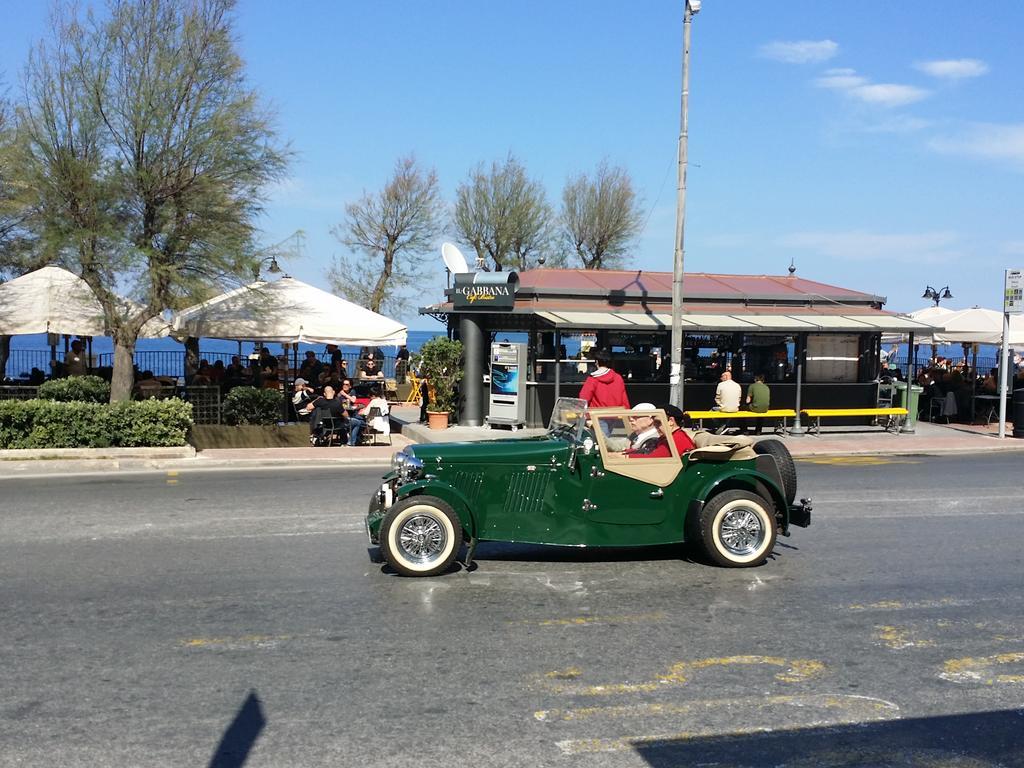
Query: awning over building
(753,323)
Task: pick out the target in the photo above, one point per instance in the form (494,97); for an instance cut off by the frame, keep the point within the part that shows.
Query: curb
(97,454)
(63,467)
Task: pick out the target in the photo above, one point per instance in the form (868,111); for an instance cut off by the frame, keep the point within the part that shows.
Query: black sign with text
(485,291)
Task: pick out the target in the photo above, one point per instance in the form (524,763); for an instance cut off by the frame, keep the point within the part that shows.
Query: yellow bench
(779,415)
(894,417)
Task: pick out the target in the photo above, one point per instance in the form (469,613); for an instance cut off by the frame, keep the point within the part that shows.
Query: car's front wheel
(738,529)
(420,536)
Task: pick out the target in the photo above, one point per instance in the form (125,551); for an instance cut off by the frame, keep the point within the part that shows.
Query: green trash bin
(915,395)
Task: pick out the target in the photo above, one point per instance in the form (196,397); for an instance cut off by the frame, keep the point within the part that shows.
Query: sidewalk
(927,439)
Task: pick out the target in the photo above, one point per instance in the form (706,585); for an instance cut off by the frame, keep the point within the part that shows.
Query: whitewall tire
(420,536)
(738,529)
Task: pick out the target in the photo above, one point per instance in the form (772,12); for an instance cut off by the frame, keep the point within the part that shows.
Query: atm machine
(507,404)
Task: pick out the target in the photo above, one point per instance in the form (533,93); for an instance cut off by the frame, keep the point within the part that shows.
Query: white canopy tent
(287,311)
(53,300)
(979,326)
(933,315)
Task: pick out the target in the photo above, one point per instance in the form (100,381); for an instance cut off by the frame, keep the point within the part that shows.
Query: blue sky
(879,145)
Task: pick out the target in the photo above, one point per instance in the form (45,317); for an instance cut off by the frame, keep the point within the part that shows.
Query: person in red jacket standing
(604,388)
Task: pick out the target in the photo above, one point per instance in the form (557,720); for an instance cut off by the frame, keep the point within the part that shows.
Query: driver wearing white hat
(646,438)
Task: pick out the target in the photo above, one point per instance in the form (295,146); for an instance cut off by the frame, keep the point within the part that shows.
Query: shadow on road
(977,739)
(241,735)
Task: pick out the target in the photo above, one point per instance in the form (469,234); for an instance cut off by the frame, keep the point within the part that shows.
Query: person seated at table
(147,386)
(204,376)
(369,366)
(357,422)
(646,440)
(325,406)
(311,367)
(675,419)
(36,377)
(347,396)
(235,368)
(990,385)
(218,372)
(301,398)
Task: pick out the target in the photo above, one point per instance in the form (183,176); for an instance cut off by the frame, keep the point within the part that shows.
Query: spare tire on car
(784,461)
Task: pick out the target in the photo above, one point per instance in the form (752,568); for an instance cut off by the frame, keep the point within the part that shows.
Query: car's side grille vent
(526,492)
(469,483)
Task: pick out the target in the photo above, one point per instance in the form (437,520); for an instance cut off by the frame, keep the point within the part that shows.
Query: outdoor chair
(943,407)
(391,390)
(377,423)
(332,431)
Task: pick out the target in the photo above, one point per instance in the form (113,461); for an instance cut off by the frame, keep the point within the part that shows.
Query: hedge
(51,424)
(87,389)
(249,405)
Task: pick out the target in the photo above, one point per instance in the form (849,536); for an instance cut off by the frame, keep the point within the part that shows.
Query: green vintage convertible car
(579,485)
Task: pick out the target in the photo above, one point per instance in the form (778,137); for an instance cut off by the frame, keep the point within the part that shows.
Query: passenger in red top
(604,388)
(647,440)
(675,425)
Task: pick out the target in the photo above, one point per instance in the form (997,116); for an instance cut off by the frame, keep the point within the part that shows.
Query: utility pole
(678,372)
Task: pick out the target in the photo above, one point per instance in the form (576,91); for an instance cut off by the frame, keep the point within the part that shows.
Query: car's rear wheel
(738,529)
(420,536)
(784,461)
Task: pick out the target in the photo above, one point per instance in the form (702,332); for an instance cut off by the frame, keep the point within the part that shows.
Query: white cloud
(896,124)
(858,245)
(799,51)
(840,79)
(888,94)
(953,69)
(862,89)
(993,141)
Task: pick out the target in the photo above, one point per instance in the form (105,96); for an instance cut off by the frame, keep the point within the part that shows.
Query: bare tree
(148,155)
(391,232)
(601,216)
(505,217)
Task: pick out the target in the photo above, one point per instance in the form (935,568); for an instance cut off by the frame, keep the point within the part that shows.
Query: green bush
(249,405)
(51,424)
(86,389)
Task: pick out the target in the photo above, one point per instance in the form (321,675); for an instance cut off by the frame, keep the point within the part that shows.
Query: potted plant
(440,361)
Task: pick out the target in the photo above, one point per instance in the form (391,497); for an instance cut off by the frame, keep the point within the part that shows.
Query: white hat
(300,382)
(644,407)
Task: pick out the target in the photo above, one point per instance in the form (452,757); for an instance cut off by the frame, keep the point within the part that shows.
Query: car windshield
(567,418)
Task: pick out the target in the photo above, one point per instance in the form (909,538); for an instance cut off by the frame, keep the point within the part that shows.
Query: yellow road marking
(257,641)
(796,671)
(899,605)
(582,621)
(172,477)
(855,461)
(899,638)
(978,670)
(856,708)
(564,674)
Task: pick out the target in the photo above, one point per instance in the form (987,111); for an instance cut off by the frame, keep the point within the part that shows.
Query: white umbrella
(287,311)
(53,300)
(933,315)
(979,326)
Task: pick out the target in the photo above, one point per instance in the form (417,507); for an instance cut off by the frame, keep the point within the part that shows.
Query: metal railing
(20,362)
(18,392)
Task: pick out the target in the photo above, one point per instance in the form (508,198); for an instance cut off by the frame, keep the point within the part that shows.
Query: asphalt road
(230,618)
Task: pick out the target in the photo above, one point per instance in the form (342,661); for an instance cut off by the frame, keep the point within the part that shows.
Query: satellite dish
(454,260)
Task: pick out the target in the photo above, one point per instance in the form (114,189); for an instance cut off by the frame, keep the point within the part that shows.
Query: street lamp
(678,374)
(273,269)
(936,296)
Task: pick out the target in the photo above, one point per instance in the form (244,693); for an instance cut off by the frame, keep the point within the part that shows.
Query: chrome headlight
(407,465)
